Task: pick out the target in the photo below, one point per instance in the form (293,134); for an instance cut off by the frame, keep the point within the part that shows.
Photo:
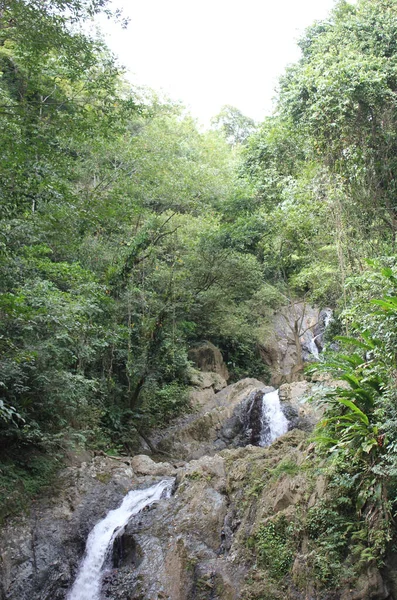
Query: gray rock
(206,380)
(40,551)
(202,433)
(282,350)
(208,357)
(143,465)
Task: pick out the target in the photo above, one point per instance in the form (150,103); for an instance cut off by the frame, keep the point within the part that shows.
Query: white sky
(208,53)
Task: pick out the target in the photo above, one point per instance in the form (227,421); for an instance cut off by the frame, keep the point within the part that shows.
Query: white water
(313,348)
(89,577)
(327,317)
(311,345)
(274,422)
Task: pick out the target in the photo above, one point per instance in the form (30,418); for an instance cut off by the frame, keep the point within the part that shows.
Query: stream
(88,582)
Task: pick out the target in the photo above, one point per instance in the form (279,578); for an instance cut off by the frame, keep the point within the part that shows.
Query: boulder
(370,586)
(205,380)
(205,385)
(208,358)
(144,465)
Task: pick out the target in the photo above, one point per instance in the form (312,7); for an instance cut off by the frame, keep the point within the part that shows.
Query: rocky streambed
(229,531)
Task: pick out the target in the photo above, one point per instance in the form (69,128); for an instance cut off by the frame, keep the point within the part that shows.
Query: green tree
(236,126)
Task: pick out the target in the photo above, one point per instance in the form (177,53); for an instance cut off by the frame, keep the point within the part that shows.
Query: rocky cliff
(295,335)
(244,522)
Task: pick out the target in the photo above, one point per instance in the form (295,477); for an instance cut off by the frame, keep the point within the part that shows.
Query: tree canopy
(128,235)
(116,251)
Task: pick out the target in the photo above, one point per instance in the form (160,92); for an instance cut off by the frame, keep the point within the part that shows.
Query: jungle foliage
(324,172)
(123,242)
(128,234)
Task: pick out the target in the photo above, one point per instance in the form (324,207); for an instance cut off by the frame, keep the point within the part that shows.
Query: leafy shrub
(274,546)
(161,404)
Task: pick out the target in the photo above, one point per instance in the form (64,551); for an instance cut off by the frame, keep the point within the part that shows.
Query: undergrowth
(23,477)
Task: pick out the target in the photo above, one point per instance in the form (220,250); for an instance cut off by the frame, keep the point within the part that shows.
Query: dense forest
(128,234)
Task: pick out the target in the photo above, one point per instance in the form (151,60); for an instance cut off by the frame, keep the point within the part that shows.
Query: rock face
(324,318)
(232,504)
(182,542)
(300,413)
(208,357)
(219,423)
(40,553)
(253,418)
(290,342)
(204,386)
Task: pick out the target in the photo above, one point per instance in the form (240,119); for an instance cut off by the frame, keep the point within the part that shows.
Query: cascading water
(313,348)
(89,578)
(315,343)
(327,317)
(273,422)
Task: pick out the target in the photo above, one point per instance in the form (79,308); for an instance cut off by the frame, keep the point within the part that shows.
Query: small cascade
(273,421)
(89,577)
(312,347)
(327,318)
(314,339)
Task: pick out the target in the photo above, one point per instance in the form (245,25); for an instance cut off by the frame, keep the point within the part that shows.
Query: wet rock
(126,552)
(182,542)
(244,426)
(254,417)
(40,551)
(324,318)
(217,423)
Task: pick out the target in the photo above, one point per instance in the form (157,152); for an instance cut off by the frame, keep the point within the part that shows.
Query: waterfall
(327,317)
(273,422)
(312,346)
(87,585)
(314,340)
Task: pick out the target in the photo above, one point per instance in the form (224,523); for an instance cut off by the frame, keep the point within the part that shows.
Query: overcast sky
(208,53)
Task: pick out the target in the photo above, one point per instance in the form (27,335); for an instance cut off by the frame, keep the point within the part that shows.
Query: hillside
(134,245)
